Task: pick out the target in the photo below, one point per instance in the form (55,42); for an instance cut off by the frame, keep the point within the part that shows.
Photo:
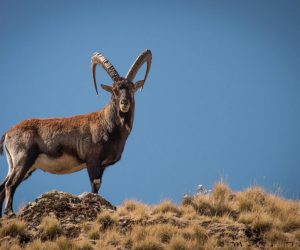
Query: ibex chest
(113,149)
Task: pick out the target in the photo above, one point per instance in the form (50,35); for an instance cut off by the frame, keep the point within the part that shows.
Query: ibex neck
(118,119)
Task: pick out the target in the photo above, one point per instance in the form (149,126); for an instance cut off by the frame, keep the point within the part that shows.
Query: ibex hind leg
(17,175)
(2,194)
(11,185)
(2,185)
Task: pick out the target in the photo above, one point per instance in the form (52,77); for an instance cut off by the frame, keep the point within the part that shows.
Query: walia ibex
(65,145)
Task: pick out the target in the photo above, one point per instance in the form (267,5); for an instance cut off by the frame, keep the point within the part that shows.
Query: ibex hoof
(9,214)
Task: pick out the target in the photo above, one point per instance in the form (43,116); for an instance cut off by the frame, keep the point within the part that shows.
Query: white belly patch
(64,164)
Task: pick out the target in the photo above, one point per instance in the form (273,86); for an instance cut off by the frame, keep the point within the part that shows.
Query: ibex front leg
(95,171)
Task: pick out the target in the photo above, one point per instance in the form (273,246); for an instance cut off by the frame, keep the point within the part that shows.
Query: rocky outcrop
(70,210)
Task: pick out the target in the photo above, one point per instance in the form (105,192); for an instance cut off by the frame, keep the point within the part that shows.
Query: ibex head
(123,88)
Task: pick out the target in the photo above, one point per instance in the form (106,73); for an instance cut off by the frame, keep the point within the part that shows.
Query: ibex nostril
(124,102)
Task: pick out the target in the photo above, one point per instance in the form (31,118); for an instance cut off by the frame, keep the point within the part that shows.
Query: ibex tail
(1,144)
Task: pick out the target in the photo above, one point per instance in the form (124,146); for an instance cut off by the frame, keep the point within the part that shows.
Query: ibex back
(65,145)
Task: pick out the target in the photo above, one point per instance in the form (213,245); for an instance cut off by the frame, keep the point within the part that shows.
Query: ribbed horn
(98,58)
(144,57)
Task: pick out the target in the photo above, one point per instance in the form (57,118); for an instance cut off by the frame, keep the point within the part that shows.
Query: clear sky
(221,101)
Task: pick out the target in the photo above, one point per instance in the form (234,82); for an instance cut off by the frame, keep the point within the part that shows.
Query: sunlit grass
(49,228)
(218,219)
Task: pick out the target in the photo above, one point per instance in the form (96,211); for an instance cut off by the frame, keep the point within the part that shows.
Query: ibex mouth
(124,108)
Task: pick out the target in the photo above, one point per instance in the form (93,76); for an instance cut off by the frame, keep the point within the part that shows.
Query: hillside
(251,219)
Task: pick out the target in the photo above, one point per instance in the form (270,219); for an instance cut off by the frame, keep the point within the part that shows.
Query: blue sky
(221,101)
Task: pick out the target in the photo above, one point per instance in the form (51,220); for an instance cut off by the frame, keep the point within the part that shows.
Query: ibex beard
(66,145)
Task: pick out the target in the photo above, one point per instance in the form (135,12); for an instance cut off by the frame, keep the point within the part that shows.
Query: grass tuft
(221,193)
(94,234)
(63,243)
(148,244)
(14,228)
(134,210)
(106,219)
(167,207)
(49,228)
(200,235)
(252,198)
(179,243)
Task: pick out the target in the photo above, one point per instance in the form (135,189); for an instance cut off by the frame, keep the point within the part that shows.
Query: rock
(70,210)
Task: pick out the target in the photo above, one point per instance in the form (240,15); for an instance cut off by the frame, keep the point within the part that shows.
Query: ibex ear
(107,88)
(139,85)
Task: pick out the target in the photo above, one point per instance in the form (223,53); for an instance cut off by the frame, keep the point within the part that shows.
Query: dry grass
(179,243)
(134,209)
(219,203)
(251,199)
(275,236)
(39,245)
(84,245)
(7,245)
(13,228)
(260,221)
(113,237)
(94,234)
(61,243)
(106,219)
(297,234)
(267,211)
(188,212)
(166,208)
(147,244)
(49,228)
(218,220)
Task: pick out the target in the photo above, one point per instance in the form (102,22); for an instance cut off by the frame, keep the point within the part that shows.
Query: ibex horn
(98,58)
(144,57)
